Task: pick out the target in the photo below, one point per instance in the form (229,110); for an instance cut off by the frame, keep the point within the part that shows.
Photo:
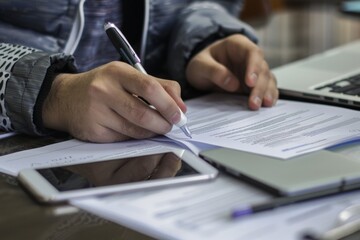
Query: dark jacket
(57,32)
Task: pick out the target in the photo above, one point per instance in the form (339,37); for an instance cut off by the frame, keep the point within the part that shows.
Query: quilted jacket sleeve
(25,78)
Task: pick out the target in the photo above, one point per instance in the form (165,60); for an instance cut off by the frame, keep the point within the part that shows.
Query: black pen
(128,54)
(123,46)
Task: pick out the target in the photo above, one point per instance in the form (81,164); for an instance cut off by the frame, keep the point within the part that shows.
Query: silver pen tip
(186,130)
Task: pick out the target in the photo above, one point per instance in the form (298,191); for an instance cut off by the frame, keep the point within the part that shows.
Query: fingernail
(227,80)
(274,102)
(175,118)
(257,101)
(269,99)
(253,77)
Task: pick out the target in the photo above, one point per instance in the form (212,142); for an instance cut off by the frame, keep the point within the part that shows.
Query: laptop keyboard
(348,86)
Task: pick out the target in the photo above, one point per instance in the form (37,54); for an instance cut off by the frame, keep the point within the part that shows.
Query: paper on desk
(203,212)
(286,130)
(75,152)
(194,147)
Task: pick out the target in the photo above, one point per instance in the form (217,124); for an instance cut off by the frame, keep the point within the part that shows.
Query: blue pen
(251,209)
(271,204)
(128,54)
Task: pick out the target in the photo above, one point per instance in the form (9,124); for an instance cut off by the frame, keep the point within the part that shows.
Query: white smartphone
(58,184)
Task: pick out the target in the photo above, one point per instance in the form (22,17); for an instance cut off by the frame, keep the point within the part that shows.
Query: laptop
(331,77)
(311,175)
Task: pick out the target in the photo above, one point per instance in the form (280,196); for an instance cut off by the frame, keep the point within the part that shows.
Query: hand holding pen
(99,105)
(128,54)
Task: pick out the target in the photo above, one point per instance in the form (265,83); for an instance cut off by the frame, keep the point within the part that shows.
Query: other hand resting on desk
(234,64)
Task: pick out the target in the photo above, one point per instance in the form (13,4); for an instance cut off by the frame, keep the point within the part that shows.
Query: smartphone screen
(121,175)
(117,171)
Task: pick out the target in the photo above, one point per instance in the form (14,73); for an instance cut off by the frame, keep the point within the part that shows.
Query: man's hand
(234,64)
(101,105)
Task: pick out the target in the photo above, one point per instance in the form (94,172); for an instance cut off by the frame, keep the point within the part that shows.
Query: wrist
(53,116)
(58,64)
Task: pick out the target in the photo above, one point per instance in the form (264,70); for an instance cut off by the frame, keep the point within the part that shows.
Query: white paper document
(285,130)
(75,152)
(203,212)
